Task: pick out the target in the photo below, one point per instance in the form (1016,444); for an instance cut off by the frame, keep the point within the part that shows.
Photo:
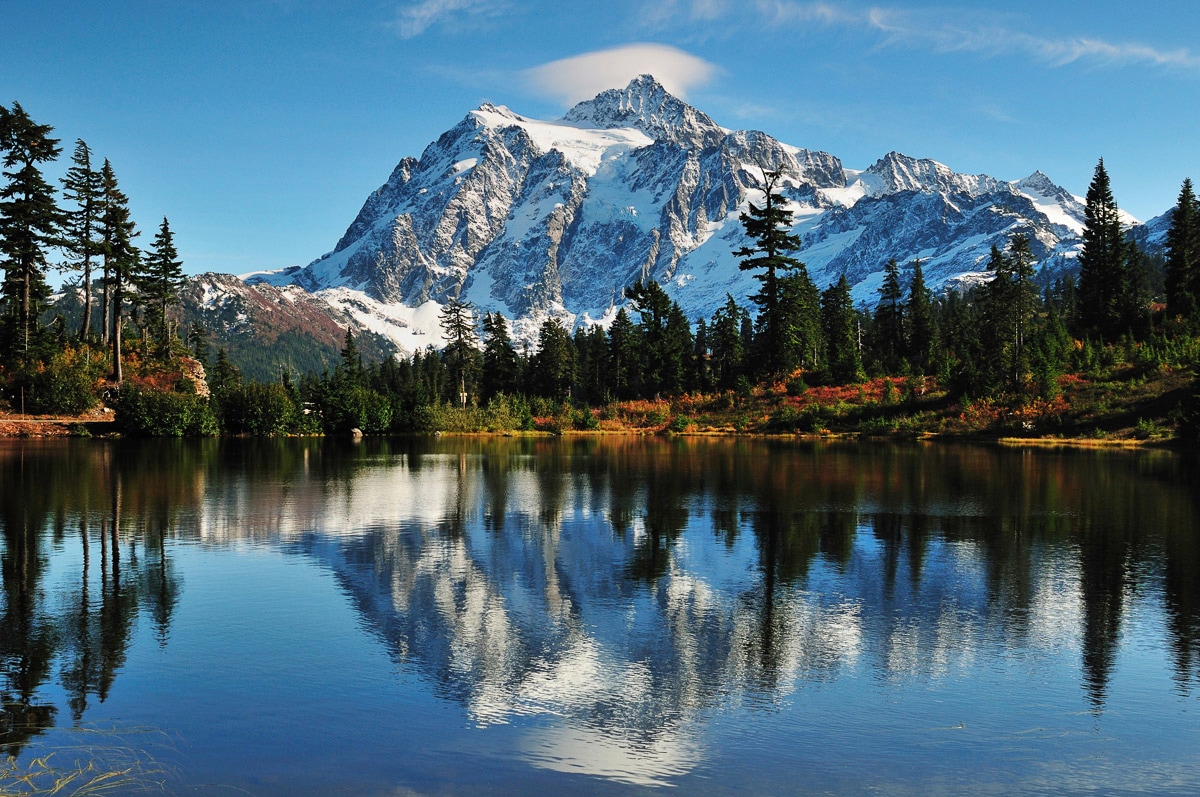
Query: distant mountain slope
(533,218)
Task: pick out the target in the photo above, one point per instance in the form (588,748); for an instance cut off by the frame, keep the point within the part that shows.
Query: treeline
(1010,338)
(127,293)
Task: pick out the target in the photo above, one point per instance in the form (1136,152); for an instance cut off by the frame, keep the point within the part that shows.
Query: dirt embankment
(95,422)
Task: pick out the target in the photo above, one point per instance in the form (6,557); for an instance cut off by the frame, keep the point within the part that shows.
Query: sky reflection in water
(602,615)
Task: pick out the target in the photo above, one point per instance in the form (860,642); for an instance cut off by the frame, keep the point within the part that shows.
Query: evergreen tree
(678,344)
(623,358)
(769,228)
(725,336)
(659,352)
(554,364)
(352,363)
(700,378)
(1102,262)
(82,187)
(30,223)
(840,324)
(1009,305)
(198,343)
(800,303)
(921,324)
(888,330)
(462,347)
(1137,293)
(159,281)
(591,378)
(1183,258)
(501,365)
(120,258)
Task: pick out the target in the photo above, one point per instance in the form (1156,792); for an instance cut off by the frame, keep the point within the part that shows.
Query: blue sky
(259,127)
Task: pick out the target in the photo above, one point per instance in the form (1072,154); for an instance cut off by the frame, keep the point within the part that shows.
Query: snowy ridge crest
(536,218)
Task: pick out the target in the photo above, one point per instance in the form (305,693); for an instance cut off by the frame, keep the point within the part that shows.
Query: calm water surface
(602,616)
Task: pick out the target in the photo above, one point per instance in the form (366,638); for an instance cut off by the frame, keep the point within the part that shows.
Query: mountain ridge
(535,218)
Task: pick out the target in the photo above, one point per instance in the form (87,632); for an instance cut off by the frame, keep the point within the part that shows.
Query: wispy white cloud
(943,30)
(581,77)
(413,20)
(981,33)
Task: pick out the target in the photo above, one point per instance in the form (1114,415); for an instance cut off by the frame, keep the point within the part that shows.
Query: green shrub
(151,413)
(680,423)
(66,385)
(258,409)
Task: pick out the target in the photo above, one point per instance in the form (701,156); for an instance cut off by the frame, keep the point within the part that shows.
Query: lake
(600,616)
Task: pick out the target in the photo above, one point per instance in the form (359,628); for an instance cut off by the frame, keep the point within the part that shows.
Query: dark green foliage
(553,367)
(159,279)
(258,409)
(65,385)
(664,338)
(151,413)
(1187,416)
(726,345)
(30,223)
(121,259)
(888,327)
(1010,305)
(462,347)
(840,323)
(1102,262)
(769,228)
(800,305)
(1183,258)
(83,188)
(592,374)
(623,357)
(921,331)
(501,366)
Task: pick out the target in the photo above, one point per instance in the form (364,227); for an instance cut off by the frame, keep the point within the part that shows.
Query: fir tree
(159,281)
(889,320)
(920,327)
(800,303)
(700,379)
(501,365)
(82,187)
(554,364)
(725,336)
(840,324)
(769,228)
(462,348)
(625,364)
(352,363)
(30,223)
(1183,258)
(1101,262)
(660,355)
(120,259)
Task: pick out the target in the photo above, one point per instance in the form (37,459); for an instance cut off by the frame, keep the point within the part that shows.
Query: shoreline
(104,426)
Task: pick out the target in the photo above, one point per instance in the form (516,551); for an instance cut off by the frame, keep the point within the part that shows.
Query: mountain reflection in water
(614,596)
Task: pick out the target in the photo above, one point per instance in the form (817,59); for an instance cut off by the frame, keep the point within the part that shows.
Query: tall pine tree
(1102,262)
(501,366)
(889,320)
(840,323)
(920,323)
(120,260)
(159,280)
(768,226)
(1183,258)
(30,222)
(82,187)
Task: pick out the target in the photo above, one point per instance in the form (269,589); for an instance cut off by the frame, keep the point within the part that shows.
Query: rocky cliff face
(533,218)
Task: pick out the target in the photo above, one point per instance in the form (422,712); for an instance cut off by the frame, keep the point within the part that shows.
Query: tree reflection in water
(626,587)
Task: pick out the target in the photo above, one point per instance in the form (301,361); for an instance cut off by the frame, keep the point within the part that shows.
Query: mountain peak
(647,106)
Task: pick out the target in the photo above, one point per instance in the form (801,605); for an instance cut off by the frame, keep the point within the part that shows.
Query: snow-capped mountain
(533,218)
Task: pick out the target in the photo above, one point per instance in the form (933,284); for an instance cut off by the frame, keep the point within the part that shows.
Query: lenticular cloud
(582,77)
